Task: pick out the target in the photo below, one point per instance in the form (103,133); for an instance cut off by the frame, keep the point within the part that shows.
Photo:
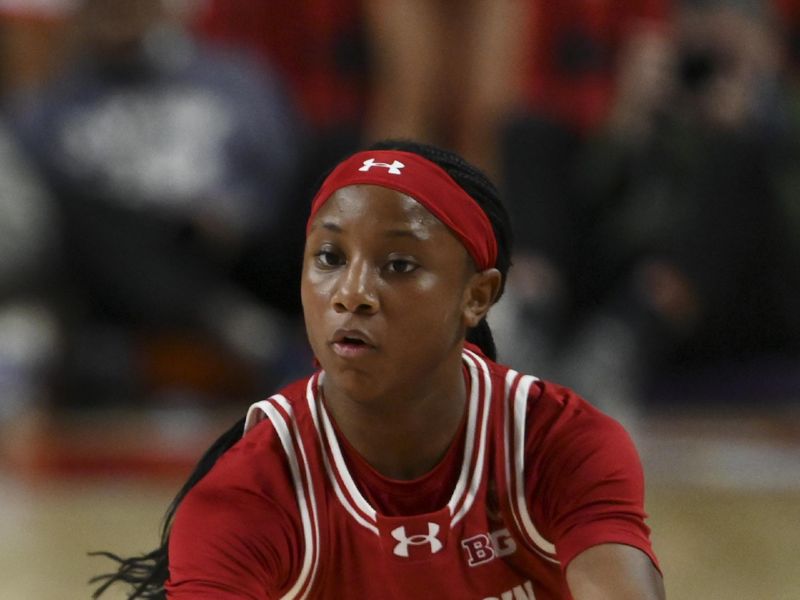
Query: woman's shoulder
(257,463)
(239,525)
(566,433)
(560,409)
(254,466)
(548,408)
(543,396)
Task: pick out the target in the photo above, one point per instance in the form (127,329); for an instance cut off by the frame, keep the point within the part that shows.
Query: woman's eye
(401,266)
(327,258)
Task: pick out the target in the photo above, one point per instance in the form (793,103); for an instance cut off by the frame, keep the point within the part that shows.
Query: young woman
(411,465)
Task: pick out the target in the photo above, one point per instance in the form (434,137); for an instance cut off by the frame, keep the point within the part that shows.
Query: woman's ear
(479,295)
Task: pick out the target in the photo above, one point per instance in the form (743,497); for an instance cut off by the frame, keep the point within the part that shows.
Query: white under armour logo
(401,549)
(394,168)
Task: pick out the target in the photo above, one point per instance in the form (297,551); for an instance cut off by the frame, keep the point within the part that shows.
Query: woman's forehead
(375,205)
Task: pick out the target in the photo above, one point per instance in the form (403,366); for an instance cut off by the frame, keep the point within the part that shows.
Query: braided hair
(147,574)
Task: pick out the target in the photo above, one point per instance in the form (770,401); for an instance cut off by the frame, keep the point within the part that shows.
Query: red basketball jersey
(539,476)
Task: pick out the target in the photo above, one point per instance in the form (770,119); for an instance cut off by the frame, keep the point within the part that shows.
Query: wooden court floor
(723,529)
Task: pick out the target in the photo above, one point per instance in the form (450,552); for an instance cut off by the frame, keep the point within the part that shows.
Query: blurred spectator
(576,51)
(32,39)
(656,237)
(432,70)
(318,47)
(445,72)
(786,165)
(28,327)
(172,165)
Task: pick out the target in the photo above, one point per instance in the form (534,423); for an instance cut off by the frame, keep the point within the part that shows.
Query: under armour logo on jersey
(394,168)
(401,549)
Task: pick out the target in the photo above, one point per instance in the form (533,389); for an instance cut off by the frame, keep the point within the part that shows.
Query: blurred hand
(670,293)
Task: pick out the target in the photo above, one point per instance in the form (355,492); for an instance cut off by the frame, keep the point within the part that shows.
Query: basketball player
(411,465)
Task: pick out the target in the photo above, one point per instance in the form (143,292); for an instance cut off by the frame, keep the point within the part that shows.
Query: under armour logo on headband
(394,168)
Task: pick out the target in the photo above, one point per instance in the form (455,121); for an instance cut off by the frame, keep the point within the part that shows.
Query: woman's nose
(356,291)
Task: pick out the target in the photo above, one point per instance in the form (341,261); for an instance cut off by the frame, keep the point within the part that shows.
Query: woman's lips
(349,343)
(347,349)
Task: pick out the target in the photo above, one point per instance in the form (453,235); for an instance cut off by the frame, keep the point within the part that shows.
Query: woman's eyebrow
(329,225)
(391,233)
(410,233)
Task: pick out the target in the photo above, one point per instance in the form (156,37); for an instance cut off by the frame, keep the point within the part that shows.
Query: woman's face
(386,290)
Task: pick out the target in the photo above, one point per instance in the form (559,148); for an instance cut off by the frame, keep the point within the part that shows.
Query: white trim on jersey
(469,442)
(255,414)
(464,493)
(359,508)
(473,360)
(282,418)
(517,389)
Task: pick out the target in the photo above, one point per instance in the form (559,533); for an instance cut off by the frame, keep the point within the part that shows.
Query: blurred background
(157,158)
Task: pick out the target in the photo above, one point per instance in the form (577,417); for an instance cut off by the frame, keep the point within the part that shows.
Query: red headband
(427,183)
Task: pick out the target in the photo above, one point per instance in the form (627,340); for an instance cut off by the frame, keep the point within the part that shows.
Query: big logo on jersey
(484,547)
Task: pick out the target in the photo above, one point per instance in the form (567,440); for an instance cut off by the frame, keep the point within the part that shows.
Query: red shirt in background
(574,45)
(314,45)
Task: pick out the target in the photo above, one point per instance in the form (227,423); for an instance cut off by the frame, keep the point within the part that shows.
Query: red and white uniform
(536,476)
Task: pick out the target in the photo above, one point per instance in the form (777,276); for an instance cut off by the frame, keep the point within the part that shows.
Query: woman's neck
(403,436)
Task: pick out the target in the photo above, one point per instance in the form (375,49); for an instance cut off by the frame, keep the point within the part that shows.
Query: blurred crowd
(157,158)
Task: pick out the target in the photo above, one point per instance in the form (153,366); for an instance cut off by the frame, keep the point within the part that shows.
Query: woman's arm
(227,544)
(235,535)
(614,571)
(587,492)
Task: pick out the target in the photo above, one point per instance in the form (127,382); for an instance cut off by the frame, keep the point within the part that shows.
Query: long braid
(147,574)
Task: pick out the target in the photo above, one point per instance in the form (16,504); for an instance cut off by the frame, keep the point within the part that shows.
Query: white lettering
(503,542)
(479,549)
(518,592)
(484,547)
